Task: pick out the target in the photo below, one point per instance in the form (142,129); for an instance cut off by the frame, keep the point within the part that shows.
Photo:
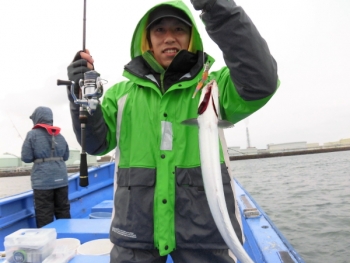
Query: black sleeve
(252,68)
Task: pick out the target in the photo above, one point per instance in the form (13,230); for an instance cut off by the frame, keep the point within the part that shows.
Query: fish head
(209,108)
(209,100)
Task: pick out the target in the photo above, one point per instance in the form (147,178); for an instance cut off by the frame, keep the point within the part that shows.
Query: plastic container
(100,215)
(30,245)
(65,250)
(97,247)
(60,255)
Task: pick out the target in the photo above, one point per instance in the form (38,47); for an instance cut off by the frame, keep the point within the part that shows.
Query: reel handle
(61,82)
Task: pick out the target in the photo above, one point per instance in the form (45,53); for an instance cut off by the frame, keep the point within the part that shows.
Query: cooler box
(30,245)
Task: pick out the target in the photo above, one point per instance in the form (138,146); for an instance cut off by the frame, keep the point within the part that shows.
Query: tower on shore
(248,139)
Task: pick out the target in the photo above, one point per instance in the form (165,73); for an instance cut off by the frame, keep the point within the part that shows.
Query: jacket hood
(139,43)
(42,115)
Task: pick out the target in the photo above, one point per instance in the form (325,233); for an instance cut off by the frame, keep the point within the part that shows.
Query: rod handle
(83,177)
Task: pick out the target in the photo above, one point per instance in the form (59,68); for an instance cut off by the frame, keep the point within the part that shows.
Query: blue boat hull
(263,241)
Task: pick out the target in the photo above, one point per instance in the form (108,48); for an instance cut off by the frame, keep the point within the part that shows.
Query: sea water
(306,196)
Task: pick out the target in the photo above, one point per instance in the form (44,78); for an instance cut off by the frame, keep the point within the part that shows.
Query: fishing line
(14,126)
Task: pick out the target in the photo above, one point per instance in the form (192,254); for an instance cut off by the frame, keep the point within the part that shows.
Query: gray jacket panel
(194,225)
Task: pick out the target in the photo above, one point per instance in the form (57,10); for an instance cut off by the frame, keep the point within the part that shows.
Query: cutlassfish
(208,122)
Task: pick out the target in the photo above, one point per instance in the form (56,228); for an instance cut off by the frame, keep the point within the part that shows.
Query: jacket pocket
(195,226)
(132,225)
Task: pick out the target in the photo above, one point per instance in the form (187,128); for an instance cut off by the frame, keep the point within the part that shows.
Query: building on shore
(345,141)
(272,147)
(235,151)
(9,160)
(314,145)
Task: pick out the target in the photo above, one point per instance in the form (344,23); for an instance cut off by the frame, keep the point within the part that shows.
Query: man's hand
(205,5)
(81,63)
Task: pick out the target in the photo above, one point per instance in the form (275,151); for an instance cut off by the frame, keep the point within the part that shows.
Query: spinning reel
(91,88)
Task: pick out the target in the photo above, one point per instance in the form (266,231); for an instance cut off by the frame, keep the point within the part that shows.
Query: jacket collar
(184,64)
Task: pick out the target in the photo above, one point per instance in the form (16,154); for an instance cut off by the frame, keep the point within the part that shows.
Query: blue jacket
(40,144)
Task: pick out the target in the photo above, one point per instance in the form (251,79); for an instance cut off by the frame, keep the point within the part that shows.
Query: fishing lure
(203,80)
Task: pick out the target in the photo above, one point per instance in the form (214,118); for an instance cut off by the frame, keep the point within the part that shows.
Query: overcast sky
(309,39)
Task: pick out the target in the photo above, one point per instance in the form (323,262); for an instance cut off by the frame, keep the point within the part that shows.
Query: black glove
(205,5)
(76,71)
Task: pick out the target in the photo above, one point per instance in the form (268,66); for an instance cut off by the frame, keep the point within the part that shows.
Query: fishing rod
(91,89)
(84,25)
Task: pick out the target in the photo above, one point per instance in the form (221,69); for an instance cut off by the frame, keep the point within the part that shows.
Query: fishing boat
(264,243)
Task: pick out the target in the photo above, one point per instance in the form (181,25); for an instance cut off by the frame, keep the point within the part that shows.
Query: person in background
(48,149)
(160,204)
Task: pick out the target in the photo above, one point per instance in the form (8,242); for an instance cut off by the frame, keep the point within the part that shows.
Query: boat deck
(269,245)
(263,241)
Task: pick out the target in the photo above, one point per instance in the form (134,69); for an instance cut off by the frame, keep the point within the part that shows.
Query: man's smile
(171,50)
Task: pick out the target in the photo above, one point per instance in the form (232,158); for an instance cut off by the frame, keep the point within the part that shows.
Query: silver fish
(208,123)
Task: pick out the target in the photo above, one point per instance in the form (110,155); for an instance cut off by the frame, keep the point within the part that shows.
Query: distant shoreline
(232,158)
(289,153)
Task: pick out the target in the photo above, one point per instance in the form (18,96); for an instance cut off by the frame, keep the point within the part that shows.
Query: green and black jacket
(160,200)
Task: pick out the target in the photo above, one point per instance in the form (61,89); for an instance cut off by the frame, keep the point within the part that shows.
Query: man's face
(168,37)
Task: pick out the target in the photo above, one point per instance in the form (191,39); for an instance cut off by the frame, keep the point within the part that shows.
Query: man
(48,149)
(160,204)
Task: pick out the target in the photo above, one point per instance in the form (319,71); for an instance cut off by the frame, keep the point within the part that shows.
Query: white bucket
(96,247)
(69,243)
